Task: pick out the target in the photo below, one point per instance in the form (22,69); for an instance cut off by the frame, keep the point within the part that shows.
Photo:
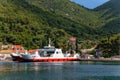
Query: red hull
(50,60)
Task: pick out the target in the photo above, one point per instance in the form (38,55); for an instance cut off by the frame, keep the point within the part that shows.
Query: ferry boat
(50,54)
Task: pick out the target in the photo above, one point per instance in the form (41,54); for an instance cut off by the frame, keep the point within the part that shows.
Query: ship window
(49,53)
(41,53)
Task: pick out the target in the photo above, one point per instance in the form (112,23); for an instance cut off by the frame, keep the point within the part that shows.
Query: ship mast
(49,43)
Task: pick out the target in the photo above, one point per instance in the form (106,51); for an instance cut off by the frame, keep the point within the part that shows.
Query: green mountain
(32,22)
(28,22)
(110,12)
(69,10)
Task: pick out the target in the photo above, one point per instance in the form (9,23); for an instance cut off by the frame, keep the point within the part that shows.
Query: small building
(17,47)
(87,56)
(5,47)
(6,50)
(72,40)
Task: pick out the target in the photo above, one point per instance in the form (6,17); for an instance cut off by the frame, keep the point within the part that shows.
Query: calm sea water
(60,71)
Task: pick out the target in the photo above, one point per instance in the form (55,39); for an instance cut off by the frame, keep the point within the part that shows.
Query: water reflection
(59,71)
(15,66)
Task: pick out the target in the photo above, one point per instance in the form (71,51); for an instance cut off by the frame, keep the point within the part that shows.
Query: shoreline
(83,59)
(101,59)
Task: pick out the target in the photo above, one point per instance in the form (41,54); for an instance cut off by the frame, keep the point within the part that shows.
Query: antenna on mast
(49,43)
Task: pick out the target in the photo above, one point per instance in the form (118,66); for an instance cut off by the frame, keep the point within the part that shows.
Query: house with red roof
(17,47)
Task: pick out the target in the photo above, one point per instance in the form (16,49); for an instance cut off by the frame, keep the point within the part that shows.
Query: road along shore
(101,59)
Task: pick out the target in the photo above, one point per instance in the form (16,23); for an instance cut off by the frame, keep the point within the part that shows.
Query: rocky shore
(5,58)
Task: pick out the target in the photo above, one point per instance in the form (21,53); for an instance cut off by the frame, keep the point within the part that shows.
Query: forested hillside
(32,22)
(110,12)
(110,46)
(68,10)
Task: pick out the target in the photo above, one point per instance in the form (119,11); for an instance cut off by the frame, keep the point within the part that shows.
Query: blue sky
(90,3)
